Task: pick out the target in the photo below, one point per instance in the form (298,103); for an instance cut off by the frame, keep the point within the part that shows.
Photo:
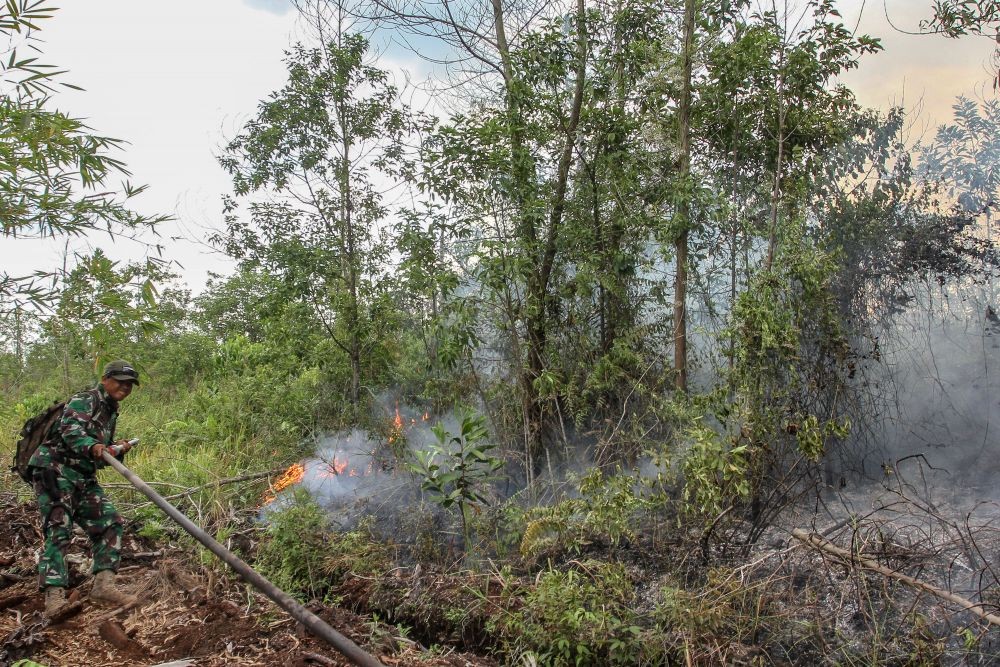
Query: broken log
(13,599)
(66,611)
(821,544)
(114,633)
(219,482)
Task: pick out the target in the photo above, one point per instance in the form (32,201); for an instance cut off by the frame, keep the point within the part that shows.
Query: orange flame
(334,468)
(397,427)
(293,475)
(338,467)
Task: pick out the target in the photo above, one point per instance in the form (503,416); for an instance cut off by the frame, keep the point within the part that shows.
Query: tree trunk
(535,311)
(684,209)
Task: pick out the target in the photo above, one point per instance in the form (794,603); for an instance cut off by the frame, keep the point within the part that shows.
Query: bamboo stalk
(822,544)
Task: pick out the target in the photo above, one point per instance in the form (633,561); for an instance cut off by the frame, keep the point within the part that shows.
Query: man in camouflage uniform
(64,470)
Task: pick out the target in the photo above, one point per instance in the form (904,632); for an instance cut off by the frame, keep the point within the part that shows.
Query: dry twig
(818,542)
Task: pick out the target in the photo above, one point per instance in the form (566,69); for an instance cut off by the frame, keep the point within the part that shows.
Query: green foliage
(356,551)
(786,398)
(315,146)
(703,624)
(715,473)
(153,524)
(963,156)
(608,509)
(457,469)
(582,616)
(295,555)
(104,307)
(54,172)
(957,18)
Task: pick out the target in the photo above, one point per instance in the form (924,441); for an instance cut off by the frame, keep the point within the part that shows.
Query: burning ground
(900,571)
(903,572)
(198,615)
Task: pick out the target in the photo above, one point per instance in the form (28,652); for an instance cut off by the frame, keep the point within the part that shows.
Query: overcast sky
(175,79)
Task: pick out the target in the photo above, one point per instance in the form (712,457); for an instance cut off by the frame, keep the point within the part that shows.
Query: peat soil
(188,614)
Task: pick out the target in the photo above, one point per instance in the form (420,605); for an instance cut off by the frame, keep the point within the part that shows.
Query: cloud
(279,7)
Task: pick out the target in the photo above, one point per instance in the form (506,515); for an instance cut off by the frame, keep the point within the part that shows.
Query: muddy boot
(55,599)
(105,591)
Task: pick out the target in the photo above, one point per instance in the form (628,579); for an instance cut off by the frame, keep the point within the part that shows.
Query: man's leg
(98,517)
(102,523)
(55,500)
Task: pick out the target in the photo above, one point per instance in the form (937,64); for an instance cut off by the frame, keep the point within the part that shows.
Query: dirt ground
(187,614)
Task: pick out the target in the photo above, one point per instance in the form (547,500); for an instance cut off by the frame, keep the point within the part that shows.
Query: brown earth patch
(186,611)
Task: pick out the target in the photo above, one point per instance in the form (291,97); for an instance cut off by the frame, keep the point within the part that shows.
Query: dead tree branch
(849,558)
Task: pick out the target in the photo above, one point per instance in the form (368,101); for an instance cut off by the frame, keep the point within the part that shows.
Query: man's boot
(55,599)
(106,591)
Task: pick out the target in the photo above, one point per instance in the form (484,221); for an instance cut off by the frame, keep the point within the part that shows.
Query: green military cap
(121,370)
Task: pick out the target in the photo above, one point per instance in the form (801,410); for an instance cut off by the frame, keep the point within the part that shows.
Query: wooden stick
(64,612)
(13,600)
(219,482)
(821,544)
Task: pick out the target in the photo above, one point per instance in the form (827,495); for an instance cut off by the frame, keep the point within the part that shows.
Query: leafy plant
(54,171)
(607,509)
(356,551)
(457,468)
(295,554)
(582,616)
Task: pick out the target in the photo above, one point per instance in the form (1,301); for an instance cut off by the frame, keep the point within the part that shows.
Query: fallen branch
(824,545)
(218,482)
(65,612)
(13,600)
(108,615)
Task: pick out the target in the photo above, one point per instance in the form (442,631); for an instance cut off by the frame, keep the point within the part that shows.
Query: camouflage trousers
(66,496)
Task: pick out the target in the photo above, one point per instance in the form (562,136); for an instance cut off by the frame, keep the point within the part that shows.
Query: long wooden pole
(311,621)
(818,542)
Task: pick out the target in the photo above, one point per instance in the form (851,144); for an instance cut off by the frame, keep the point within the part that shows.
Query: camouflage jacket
(89,418)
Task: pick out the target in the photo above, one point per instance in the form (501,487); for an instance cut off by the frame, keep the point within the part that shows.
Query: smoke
(357,473)
(940,380)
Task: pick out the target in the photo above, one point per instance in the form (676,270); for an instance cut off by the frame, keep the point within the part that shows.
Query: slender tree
(316,146)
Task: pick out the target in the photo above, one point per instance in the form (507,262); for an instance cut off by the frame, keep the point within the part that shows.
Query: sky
(176,79)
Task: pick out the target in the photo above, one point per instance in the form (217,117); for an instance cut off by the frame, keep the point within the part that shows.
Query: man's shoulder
(83,401)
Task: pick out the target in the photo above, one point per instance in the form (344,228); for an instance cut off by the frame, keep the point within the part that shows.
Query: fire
(334,468)
(338,467)
(398,424)
(293,475)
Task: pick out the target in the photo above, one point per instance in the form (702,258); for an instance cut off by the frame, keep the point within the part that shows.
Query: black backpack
(32,436)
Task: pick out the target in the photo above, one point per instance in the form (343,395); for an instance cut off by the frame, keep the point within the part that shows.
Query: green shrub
(355,552)
(294,554)
(306,557)
(606,510)
(582,616)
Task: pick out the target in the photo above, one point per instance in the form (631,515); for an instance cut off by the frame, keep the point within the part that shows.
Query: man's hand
(121,446)
(96,451)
